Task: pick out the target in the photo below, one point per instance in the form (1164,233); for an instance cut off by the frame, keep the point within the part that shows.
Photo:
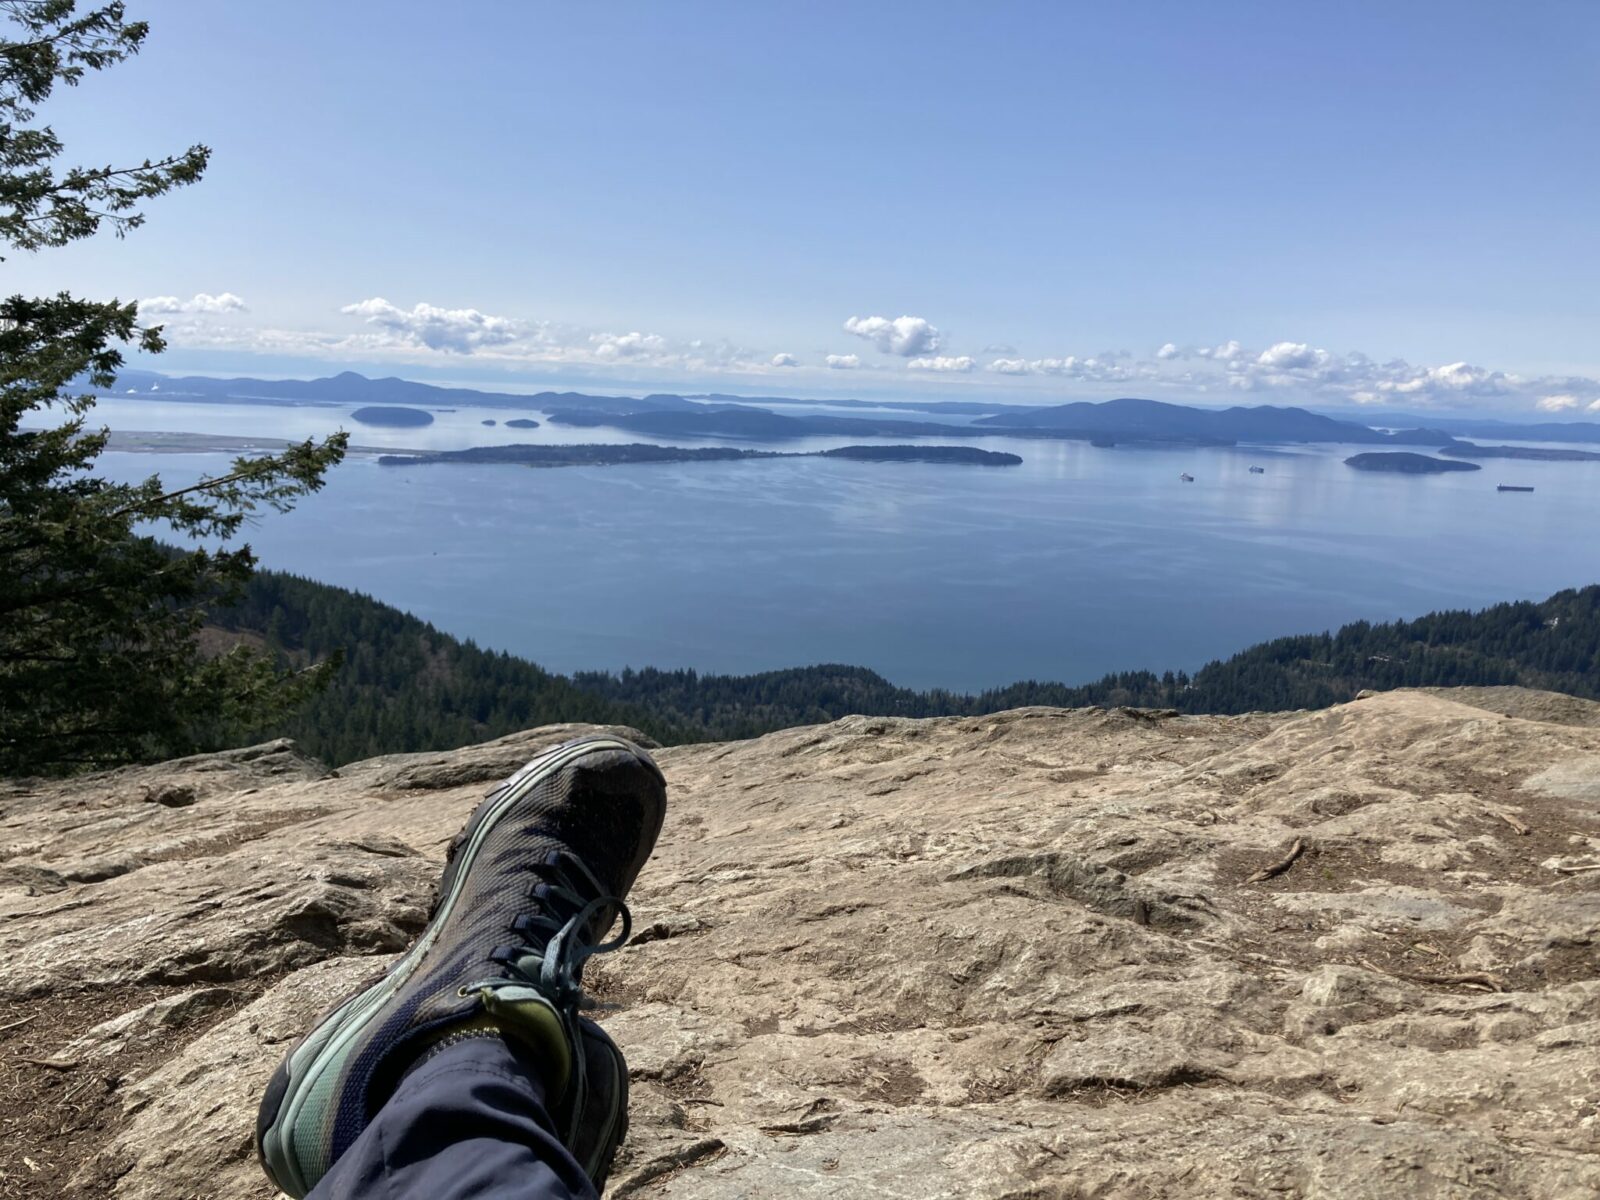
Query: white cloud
(1070,365)
(843,362)
(226,302)
(1227,352)
(427,333)
(1452,377)
(1291,372)
(1559,404)
(457,330)
(202,302)
(909,337)
(940,362)
(626,345)
(1096,368)
(1010,366)
(1303,373)
(1290,356)
(785,360)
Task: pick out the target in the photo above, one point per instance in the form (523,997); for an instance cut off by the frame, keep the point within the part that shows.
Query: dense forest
(403,685)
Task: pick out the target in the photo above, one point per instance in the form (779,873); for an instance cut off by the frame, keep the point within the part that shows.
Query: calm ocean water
(1079,562)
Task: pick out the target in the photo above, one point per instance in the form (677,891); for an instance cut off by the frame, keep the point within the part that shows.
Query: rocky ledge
(1043,954)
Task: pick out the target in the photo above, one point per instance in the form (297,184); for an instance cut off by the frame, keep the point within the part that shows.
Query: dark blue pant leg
(467,1123)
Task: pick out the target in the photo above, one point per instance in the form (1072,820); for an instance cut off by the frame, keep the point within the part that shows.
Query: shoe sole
(325,1044)
(601,1055)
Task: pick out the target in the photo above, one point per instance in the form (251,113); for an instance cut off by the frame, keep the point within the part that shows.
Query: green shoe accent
(525,1015)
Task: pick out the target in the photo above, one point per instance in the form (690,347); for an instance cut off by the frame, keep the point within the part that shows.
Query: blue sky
(1382,204)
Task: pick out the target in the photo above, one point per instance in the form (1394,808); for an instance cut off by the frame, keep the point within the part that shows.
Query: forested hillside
(1554,645)
(403,685)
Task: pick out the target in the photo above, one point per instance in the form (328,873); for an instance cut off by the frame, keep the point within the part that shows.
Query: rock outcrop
(1044,954)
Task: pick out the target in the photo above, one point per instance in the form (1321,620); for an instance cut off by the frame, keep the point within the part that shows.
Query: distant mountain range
(1125,420)
(347,387)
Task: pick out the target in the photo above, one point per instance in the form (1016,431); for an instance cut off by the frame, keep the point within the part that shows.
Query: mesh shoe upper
(534,882)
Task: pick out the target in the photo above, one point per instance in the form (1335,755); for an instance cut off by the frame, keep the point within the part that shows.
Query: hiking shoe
(533,883)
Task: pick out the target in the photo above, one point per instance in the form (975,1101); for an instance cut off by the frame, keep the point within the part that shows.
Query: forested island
(1407,464)
(599,454)
(392,416)
(405,686)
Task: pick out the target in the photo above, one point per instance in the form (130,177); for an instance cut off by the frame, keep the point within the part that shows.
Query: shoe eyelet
(463,992)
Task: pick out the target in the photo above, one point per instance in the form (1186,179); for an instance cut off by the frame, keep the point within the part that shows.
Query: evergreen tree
(99,659)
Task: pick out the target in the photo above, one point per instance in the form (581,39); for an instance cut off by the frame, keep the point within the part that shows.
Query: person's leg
(469,1120)
(397,1092)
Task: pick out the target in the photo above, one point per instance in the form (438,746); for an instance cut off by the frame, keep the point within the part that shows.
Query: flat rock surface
(1040,954)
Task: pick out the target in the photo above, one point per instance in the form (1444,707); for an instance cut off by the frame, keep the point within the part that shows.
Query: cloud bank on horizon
(908,350)
(201,302)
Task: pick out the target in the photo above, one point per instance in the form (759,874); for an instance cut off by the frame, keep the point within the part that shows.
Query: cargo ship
(1513,487)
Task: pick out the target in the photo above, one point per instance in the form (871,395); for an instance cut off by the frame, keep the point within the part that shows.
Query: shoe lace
(553,942)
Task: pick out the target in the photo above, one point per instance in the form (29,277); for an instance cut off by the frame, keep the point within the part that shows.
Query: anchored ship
(1513,487)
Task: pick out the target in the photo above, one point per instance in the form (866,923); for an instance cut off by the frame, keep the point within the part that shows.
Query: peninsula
(1532,453)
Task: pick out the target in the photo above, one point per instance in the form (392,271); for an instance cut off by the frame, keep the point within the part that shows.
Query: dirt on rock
(1024,955)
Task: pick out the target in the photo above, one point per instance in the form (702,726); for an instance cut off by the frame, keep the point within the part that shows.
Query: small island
(1403,463)
(392,417)
(490,421)
(522,423)
(600,455)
